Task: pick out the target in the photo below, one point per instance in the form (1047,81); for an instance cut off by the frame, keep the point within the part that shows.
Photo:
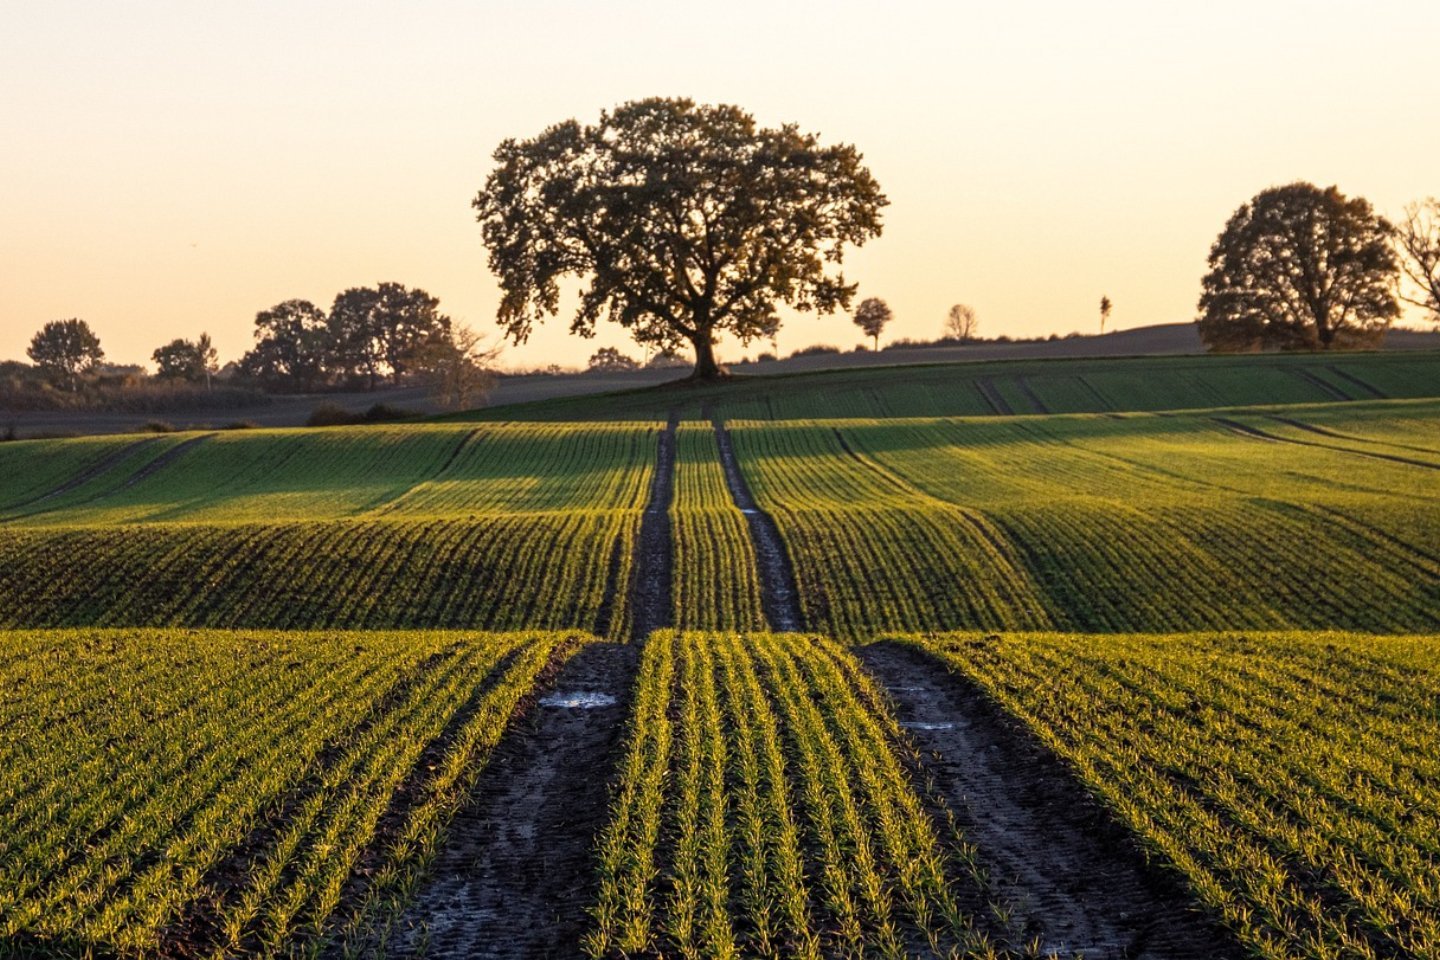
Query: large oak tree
(682,221)
(1299,268)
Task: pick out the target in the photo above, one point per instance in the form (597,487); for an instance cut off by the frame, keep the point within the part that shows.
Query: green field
(255,677)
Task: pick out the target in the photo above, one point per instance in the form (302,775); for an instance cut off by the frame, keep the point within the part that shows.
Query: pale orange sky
(172,167)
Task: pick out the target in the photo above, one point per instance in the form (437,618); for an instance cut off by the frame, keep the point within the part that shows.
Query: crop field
(1104,658)
(1099,524)
(1293,778)
(193,793)
(393,528)
(1004,388)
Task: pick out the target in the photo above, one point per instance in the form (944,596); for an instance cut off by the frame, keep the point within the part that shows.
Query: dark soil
(650,595)
(778,596)
(1074,875)
(515,875)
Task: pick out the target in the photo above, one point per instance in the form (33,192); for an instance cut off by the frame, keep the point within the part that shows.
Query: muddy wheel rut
(514,877)
(779,597)
(1074,875)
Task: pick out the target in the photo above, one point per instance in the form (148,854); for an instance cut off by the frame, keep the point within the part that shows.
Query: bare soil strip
(515,875)
(992,397)
(1255,433)
(90,473)
(651,604)
(1350,378)
(1074,875)
(778,595)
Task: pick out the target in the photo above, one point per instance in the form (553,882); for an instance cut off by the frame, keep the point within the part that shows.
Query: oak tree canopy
(681,220)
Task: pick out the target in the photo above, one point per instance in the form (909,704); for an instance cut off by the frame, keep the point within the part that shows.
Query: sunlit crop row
(1291,778)
(764,809)
(214,794)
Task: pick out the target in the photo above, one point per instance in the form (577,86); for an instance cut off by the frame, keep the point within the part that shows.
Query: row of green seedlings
(764,809)
(541,572)
(223,795)
(1292,779)
(716,581)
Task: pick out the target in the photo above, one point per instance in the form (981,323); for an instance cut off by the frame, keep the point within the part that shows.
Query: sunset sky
(173,167)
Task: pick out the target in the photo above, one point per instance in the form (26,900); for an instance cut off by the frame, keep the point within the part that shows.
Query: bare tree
(871,316)
(961,323)
(455,365)
(1418,236)
(1105,306)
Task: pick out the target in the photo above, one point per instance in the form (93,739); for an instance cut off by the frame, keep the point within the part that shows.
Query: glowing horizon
(172,169)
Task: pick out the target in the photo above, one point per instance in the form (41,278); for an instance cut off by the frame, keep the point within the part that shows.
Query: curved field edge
(1291,779)
(227,793)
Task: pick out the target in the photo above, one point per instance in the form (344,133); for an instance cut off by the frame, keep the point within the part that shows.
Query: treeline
(371,336)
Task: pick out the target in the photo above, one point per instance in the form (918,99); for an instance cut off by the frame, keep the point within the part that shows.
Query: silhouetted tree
(1299,268)
(961,323)
(292,347)
(373,329)
(871,316)
(186,360)
(687,221)
(1105,307)
(610,360)
(1418,237)
(64,349)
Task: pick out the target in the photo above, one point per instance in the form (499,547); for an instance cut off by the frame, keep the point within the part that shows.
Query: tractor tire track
(515,874)
(149,469)
(779,597)
(1075,877)
(97,468)
(1031,395)
(992,397)
(1324,386)
(1353,380)
(1350,438)
(1255,433)
(389,504)
(652,606)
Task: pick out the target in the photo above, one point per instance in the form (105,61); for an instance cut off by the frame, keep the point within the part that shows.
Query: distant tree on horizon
(372,330)
(961,323)
(1299,268)
(181,359)
(611,360)
(1105,306)
(871,316)
(65,349)
(292,347)
(1418,237)
(684,221)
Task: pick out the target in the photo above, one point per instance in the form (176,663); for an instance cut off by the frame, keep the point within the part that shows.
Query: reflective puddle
(920,725)
(578,700)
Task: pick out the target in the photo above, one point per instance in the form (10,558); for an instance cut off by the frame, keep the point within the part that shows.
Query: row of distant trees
(371,335)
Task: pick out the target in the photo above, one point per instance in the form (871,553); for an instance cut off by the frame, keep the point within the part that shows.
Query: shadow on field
(1075,876)
(30,946)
